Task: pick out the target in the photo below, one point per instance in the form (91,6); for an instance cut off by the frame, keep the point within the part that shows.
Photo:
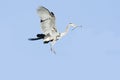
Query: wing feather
(47,20)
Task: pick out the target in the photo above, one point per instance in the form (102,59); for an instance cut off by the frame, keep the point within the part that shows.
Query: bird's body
(48,27)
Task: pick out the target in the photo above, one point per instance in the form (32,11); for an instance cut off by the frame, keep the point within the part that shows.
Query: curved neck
(66,30)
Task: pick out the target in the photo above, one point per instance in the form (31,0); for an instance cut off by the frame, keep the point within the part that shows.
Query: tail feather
(33,39)
(39,36)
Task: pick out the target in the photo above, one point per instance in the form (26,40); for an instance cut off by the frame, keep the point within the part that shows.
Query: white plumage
(48,27)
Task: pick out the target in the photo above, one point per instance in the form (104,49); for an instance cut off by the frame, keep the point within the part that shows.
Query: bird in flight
(48,27)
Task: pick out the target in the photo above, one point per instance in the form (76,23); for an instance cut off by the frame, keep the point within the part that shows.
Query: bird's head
(74,26)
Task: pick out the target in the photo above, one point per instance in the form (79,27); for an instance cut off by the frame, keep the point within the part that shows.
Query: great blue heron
(50,33)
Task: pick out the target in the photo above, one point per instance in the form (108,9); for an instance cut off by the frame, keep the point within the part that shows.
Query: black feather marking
(41,36)
(52,14)
(33,39)
(45,42)
(43,20)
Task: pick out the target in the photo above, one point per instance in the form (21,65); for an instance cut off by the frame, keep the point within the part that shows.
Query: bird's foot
(52,50)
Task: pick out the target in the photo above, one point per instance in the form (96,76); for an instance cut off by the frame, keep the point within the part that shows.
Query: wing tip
(41,7)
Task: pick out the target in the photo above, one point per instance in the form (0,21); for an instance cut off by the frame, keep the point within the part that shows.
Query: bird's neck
(66,30)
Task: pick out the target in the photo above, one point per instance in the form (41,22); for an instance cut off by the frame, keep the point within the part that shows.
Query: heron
(48,27)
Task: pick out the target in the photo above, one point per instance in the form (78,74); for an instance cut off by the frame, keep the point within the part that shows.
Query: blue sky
(92,53)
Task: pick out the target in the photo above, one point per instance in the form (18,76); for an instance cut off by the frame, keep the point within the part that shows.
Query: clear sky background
(92,53)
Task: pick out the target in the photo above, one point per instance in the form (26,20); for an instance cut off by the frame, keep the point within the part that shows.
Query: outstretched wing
(47,20)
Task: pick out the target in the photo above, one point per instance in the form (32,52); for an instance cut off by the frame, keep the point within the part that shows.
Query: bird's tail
(39,36)
(33,39)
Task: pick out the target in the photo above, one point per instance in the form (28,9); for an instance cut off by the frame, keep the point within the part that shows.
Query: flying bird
(48,27)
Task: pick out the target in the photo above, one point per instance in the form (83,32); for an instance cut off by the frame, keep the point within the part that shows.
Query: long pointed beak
(77,27)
